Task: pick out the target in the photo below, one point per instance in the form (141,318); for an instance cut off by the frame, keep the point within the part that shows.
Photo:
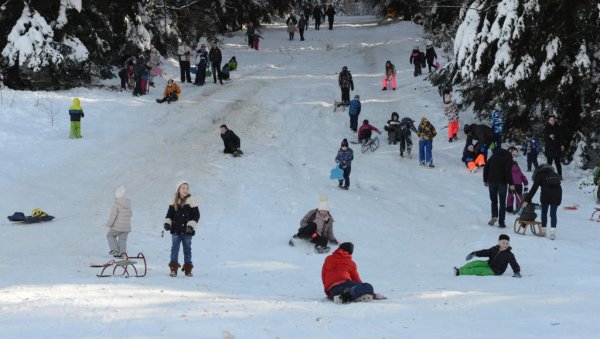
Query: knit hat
(503,237)
(120,193)
(348,247)
(323,203)
(357,97)
(345,143)
(179,185)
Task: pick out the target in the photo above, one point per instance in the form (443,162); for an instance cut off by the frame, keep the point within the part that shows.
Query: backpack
(552,179)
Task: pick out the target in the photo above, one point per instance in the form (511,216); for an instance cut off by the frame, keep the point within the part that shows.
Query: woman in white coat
(119,224)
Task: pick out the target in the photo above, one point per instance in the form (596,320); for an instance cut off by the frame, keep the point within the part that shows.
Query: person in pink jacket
(520,183)
(390,76)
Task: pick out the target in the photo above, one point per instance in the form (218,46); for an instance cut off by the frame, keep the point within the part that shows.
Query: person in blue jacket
(531,148)
(354,112)
(497,125)
(344,158)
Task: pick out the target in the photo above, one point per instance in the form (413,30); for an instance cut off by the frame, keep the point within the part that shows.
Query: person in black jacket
(215,56)
(497,175)
(139,69)
(202,59)
(430,55)
(483,134)
(553,143)
(231,141)
(346,84)
(550,197)
(406,125)
(500,256)
(317,14)
(330,14)
(181,220)
(415,60)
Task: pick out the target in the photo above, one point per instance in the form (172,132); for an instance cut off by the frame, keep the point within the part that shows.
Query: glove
(517,275)
(189,230)
(526,189)
(314,235)
(167,227)
(470,256)
(482,149)
(512,187)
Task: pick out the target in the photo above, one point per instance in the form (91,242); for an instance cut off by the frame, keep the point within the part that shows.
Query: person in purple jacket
(520,183)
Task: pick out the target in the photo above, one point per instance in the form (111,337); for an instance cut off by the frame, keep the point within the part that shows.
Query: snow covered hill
(410,225)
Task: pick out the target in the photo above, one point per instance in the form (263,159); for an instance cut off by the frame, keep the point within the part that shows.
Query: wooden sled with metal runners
(520,227)
(124,267)
(597,210)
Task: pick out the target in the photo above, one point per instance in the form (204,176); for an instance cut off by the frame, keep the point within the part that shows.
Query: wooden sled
(520,227)
(124,265)
(593,213)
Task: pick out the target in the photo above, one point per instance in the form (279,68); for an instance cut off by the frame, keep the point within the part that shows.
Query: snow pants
(385,83)
(405,141)
(393,136)
(117,241)
(345,94)
(355,288)
(553,220)
(425,147)
(532,160)
(452,129)
(176,241)
(216,72)
(354,122)
(184,68)
(417,68)
(476,267)
(309,232)
(478,162)
(200,74)
(498,197)
(75,131)
(346,177)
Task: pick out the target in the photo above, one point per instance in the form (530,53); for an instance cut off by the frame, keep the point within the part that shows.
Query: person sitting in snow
(365,131)
(472,159)
(500,256)
(317,227)
(171,92)
(392,127)
(341,281)
(119,224)
(75,113)
(231,141)
(483,134)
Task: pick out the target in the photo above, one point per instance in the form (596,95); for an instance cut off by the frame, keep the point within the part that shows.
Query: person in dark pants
(139,69)
(317,226)
(307,12)
(531,148)
(430,55)
(301,26)
(230,140)
(330,15)
(497,175)
(344,159)
(415,60)
(216,57)
(317,14)
(404,136)
(202,58)
(553,143)
(340,277)
(346,84)
(550,197)
(483,134)
(185,55)
(354,111)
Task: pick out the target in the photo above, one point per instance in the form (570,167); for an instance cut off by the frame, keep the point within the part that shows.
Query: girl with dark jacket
(500,256)
(550,197)
(181,220)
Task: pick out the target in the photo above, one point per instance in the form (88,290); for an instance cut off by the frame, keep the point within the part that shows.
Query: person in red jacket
(340,277)
(365,131)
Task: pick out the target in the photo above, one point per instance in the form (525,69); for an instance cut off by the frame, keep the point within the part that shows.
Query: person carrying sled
(341,281)
(346,84)
(415,59)
(472,159)
(365,131)
(430,55)
(171,92)
(497,177)
(181,220)
(426,133)
(484,136)
(550,196)
(317,227)
(520,183)
(215,56)
(202,62)
(231,141)
(404,136)
(119,224)
(291,25)
(531,148)
(500,256)
(75,114)
(344,159)
(390,76)
(392,127)
(451,112)
(354,111)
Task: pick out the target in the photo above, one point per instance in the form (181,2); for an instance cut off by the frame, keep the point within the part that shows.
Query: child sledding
(500,256)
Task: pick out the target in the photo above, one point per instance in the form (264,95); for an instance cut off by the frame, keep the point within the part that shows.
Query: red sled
(571,207)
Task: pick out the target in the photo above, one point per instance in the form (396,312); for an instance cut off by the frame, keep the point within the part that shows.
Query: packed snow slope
(410,225)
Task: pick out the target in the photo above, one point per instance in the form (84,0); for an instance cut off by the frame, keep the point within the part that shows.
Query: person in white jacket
(119,224)
(185,54)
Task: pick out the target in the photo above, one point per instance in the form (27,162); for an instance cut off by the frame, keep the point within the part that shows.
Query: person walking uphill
(550,197)
(553,143)
(430,55)
(344,159)
(302,25)
(346,84)
(354,111)
(500,256)
(426,133)
(497,175)
(406,125)
(291,25)
(318,15)
(341,281)
(415,60)
(75,113)
(119,224)
(390,76)
(330,12)
(317,227)
(181,220)
(216,57)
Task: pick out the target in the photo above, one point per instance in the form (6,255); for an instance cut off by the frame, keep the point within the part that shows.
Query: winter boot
(187,268)
(552,233)
(492,221)
(409,155)
(365,297)
(343,298)
(174,266)
(401,154)
(456,271)
(450,140)
(543,232)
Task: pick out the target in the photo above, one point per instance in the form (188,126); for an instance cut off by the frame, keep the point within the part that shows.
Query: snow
(551,51)
(582,61)
(138,34)
(410,225)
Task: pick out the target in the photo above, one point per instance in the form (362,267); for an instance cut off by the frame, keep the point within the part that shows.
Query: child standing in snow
(365,131)
(181,220)
(390,76)
(119,224)
(531,148)
(500,256)
(341,281)
(317,226)
(426,134)
(344,159)
(520,183)
(76,113)
(451,112)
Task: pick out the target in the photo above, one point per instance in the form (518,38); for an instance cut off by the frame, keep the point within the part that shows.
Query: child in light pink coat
(520,183)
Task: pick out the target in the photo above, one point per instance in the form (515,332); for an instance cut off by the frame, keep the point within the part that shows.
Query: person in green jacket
(76,113)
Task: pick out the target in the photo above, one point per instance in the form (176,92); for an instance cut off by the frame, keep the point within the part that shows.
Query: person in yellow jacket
(76,113)
(426,133)
(171,92)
